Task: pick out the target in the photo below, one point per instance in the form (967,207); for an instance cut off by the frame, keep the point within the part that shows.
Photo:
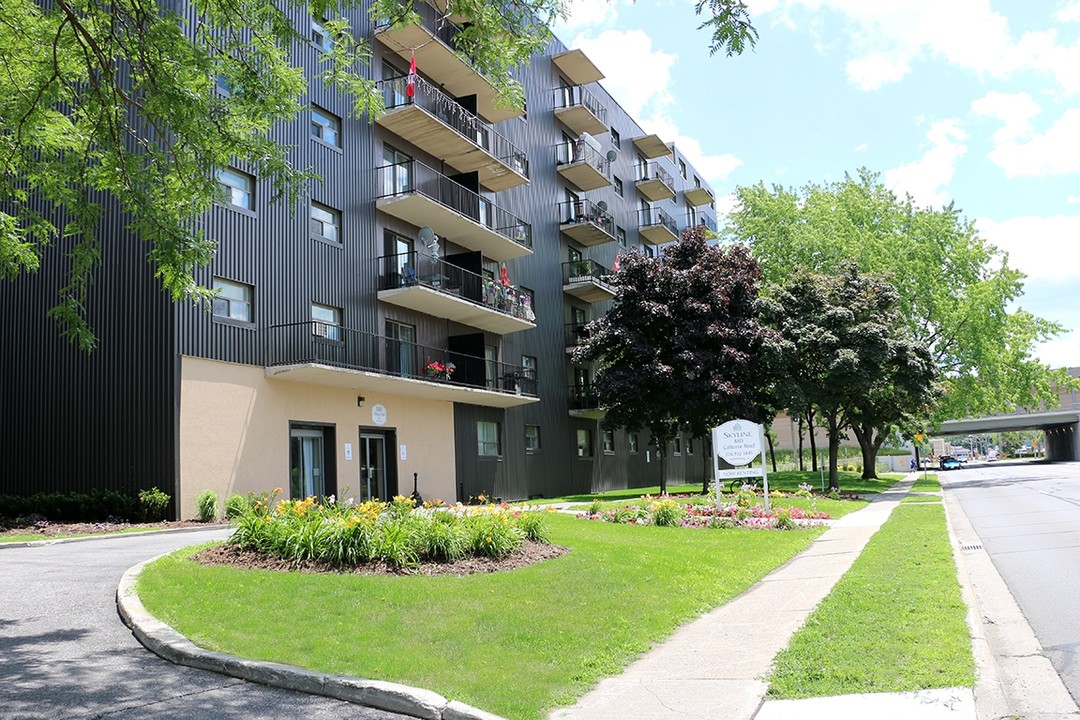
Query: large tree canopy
(955,288)
(118,100)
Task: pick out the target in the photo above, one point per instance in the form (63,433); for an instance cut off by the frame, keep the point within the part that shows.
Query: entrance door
(307,463)
(373,485)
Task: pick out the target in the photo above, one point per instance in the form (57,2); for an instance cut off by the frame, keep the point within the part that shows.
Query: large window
(325,223)
(234,300)
(401,349)
(397,172)
(676,446)
(487,439)
(617,184)
(326,321)
(325,126)
(239,188)
(632,442)
(320,38)
(528,368)
(609,442)
(584,444)
(532,438)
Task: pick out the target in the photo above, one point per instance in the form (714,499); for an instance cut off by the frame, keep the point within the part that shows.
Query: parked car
(948,462)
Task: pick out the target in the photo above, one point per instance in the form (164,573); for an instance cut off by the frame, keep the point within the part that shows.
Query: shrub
(207,504)
(445,541)
(493,536)
(594,507)
(666,512)
(784,520)
(235,506)
(152,504)
(533,527)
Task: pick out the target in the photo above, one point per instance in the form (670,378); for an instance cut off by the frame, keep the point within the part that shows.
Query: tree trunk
(813,440)
(802,463)
(869,445)
(663,475)
(834,452)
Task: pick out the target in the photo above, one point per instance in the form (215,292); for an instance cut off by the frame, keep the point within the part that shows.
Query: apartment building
(410,326)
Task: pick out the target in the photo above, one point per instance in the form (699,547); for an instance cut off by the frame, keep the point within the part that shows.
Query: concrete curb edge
(109,536)
(167,643)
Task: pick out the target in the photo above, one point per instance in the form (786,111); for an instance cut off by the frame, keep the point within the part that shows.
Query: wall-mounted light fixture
(359,401)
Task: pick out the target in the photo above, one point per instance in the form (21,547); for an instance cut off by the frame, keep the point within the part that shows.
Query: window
(617,183)
(528,367)
(648,250)
(326,321)
(691,215)
(697,181)
(676,446)
(224,87)
(239,188)
(487,439)
(491,366)
(325,223)
(616,140)
(320,38)
(609,442)
(690,446)
(631,442)
(325,126)
(532,438)
(620,235)
(401,349)
(584,444)
(682,169)
(233,300)
(396,173)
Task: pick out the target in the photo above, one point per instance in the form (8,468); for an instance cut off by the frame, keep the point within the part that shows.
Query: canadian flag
(410,85)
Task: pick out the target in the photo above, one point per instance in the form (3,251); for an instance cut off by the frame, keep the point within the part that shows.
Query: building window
(233,301)
(326,321)
(320,38)
(697,181)
(487,439)
(584,444)
(223,86)
(690,446)
(532,438)
(682,169)
(648,250)
(631,442)
(609,442)
(617,183)
(620,235)
(528,368)
(239,188)
(676,446)
(401,349)
(616,140)
(491,366)
(325,126)
(325,223)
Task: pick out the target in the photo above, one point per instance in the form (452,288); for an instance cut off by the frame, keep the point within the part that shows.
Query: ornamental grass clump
(666,512)
(398,534)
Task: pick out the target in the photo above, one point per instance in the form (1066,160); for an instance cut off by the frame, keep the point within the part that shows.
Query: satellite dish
(612,155)
(601,206)
(430,240)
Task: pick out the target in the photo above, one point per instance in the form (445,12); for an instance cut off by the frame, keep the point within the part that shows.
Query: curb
(167,643)
(108,536)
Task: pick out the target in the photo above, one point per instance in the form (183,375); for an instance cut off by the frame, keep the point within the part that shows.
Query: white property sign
(738,442)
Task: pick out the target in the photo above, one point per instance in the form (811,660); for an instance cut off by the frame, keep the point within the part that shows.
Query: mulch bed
(529,553)
(50,529)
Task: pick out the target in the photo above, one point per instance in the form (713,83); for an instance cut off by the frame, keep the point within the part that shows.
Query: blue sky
(971,101)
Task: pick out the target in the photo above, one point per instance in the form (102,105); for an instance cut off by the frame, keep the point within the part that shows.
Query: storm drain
(974,546)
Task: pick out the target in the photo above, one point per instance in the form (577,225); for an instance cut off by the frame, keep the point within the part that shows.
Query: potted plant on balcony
(436,370)
(580,270)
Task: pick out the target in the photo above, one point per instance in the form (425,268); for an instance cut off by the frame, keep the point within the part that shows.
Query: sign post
(738,442)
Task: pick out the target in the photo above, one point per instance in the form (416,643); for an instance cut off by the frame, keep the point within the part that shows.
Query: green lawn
(516,643)
(894,622)
(33,537)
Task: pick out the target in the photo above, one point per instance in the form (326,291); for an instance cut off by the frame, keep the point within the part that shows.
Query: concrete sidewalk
(713,667)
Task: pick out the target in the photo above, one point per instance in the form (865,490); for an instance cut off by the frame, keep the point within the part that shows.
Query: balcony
(576,67)
(575,335)
(582,166)
(703,220)
(413,192)
(301,352)
(435,122)
(656,226)
(654,182)
(651,147)
(585,403)
(586,222)
(441,289)
(698,196)
(432,38)
(587,280)
(579,110)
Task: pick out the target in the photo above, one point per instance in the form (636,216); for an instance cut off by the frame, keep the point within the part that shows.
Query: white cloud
(1018,149)
(927,178)
(1043,248)
(1072,199)
(1062,351)
(586,13)
(1068,12)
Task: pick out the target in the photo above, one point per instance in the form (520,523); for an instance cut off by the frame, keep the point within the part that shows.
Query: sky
(975,102)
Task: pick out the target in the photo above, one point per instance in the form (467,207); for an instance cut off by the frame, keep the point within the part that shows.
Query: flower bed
(396,534)
(741,512)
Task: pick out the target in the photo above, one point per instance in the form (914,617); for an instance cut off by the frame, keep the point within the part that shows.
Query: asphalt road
(1027,516)
(64,653)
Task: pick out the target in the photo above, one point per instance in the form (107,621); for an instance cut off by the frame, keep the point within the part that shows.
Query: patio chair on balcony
(408,275)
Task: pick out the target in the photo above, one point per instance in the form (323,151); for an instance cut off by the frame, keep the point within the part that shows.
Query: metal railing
(583,397)
(585,270)
(579,151)
(585,211)
(655,216)
(577,95)
(575,334)
(420,269)
(336,346)
(432,20)
(413,176)
(706,221)
(449,111)
(655,171)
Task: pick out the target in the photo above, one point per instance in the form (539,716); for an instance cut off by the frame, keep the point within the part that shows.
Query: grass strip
(926,483)
(894,622)
(515,643)
(921,499)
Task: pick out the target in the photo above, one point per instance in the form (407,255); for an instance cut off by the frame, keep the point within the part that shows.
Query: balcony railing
(702,220)
(657,226)
(334,346)
(413,177)
(583,397)
(466,124)
(577,96)
(581,152)
(585,221)
(654,171)
(413,269)
(575,334)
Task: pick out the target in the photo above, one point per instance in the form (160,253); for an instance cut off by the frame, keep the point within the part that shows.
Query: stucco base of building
(235,432)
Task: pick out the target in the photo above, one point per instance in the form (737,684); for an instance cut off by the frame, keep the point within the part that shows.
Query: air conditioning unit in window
(320,329)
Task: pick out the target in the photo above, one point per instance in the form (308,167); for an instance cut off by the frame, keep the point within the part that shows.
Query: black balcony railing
(449,111)
(568,97)
(655,171)
(586,211)
(584,397)
(413,176)
(650,217)
(703,220)
(585,271)
(335,346)
(575,334)
(431,20)
(420,269)
(579,151)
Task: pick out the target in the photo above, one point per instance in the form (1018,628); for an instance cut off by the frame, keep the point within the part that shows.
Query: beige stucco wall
(234,432)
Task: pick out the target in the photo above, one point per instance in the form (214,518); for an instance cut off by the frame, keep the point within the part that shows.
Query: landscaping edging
(105,536)
(167,643)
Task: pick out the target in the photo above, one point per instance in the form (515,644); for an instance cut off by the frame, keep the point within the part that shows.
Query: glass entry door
(306,463)
(373,467)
